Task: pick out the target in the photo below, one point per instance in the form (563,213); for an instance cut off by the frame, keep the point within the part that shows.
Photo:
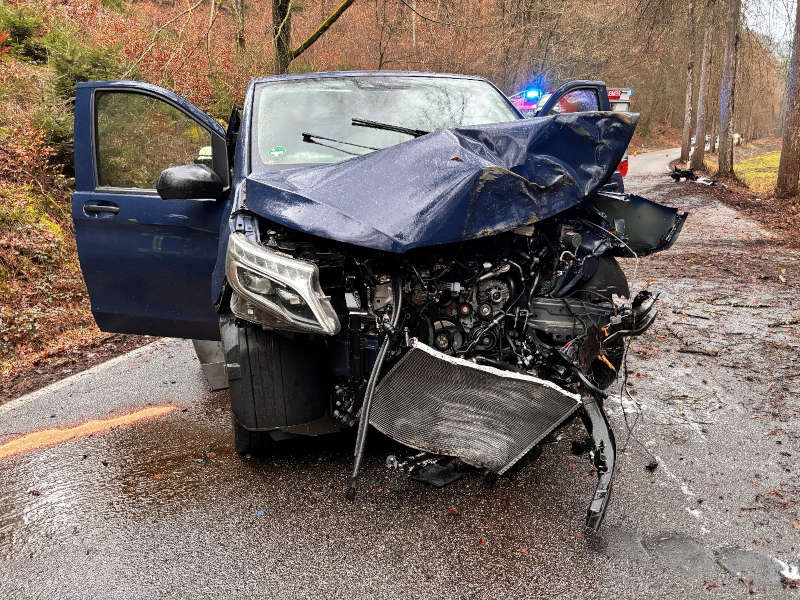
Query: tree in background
(282,32)
(238,12)
(687,105)
(789,167)
(728,89)
(698,156)
(207,50)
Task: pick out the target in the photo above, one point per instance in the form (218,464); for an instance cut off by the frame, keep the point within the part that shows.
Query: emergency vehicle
(531,101)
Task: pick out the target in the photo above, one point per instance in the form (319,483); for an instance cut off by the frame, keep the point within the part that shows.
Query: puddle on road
(140,471)
(128,477)
(762,570)
(683,554)
(156,474)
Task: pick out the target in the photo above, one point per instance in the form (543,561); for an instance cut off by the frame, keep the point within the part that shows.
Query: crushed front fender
(645,226)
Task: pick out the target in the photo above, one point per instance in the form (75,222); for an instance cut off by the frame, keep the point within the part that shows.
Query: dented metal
(450,185)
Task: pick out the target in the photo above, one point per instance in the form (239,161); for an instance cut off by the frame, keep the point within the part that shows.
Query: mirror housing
(189,182)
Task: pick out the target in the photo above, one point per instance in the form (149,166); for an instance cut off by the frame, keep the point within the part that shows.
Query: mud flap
(603,455)
(211,355)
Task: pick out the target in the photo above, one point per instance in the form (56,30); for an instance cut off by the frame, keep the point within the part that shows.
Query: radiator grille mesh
(487,417)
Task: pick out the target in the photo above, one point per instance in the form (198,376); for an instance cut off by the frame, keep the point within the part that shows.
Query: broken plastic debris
(681,174)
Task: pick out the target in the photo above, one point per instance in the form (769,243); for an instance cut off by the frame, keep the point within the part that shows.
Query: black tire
(254,443)
(275,381)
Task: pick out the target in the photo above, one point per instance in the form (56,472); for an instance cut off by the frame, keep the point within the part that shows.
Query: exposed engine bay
(546,305)
(548,300)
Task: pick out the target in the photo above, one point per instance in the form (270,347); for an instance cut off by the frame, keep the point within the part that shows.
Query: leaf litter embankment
(46,327)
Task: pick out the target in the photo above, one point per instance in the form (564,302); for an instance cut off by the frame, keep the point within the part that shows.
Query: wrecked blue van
(395,249)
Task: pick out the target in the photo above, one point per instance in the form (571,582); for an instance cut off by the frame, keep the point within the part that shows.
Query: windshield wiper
(388,127)
(311,138)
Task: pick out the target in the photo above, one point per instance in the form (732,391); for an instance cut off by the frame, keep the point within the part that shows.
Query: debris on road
(683,174)
(436,470)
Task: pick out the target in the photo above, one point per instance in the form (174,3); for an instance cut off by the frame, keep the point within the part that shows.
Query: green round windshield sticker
(276,151)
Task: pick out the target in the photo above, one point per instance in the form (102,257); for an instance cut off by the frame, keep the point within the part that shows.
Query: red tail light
(623,167)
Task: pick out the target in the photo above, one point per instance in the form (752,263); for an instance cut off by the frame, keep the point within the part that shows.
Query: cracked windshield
(324,108)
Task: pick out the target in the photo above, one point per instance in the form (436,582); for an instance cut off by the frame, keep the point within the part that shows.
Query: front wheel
(250,442)
(276,381)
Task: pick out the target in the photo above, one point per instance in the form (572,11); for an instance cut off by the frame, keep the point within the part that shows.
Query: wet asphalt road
(164,508)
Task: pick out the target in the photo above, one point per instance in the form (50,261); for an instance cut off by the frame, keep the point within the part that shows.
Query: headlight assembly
(276,290)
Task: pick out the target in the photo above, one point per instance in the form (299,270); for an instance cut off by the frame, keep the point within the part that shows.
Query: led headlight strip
(276,290)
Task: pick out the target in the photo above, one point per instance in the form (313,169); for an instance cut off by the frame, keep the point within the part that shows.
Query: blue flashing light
(533,94)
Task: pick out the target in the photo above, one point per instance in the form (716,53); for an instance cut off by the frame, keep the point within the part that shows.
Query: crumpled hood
(449,185)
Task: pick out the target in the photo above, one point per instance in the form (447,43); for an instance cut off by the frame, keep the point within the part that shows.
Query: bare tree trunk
(238,9)
(789,167)
(712,135)
(728,89)
(702,96)
(282,34)
(687,107)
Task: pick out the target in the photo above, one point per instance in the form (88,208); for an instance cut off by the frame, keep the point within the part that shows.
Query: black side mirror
(189,182)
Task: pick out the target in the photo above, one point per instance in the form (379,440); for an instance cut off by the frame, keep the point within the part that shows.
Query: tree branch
(156,33)
(322,28)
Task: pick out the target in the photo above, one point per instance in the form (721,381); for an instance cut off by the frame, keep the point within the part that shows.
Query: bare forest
(677,56)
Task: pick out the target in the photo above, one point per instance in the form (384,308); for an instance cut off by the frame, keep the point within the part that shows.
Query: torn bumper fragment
(604,457)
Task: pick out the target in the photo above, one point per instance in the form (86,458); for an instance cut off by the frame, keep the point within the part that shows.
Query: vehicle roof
(334,74)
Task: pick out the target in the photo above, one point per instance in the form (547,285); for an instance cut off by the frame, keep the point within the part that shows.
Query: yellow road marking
(45,438)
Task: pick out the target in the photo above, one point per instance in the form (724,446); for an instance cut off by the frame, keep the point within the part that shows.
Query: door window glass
(138,136)
(577,101)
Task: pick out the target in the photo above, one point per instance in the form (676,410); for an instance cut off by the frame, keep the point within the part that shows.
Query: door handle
(94,209)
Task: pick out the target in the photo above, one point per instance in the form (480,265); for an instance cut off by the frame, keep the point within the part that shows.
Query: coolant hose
(363,423)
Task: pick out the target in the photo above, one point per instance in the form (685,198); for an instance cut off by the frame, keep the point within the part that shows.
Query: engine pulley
(447,336)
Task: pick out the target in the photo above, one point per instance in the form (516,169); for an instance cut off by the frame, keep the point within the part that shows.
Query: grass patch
(759,173)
